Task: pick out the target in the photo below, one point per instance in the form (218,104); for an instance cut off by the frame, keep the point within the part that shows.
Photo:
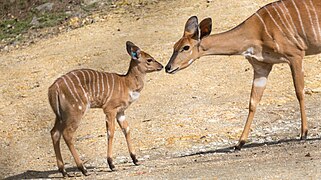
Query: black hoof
(111,165)
(239,146)
(63,172)
(135,161)
(303,138)
(83,170)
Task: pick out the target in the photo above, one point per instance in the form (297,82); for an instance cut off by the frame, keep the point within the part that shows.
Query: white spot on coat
(249,52)
(133,96)
(121,118)
(260,82)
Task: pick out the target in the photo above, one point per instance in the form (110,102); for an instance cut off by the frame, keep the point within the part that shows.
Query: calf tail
(54,100)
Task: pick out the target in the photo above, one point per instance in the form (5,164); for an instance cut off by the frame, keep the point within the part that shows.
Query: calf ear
(191,28)
(205,27)
(133,50)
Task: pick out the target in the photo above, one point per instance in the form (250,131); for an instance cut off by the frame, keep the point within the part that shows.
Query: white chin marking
(260,82)
(190,61)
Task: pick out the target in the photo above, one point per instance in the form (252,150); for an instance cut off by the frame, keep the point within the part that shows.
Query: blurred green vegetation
(16,15)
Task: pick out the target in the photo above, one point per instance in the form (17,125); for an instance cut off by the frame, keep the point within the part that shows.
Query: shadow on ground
(74,172)
(251,145)
(31,174)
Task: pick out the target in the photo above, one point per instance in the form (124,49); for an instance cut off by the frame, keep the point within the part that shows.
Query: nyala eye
(149,60)
(186,48)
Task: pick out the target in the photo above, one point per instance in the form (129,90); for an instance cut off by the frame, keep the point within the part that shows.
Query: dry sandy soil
(183,125)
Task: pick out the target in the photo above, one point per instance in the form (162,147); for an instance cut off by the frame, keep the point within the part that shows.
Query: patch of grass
(13,27)
(51,19)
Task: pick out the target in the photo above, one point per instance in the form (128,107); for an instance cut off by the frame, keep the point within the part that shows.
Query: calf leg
(110,126)
(125,128)
(56,136)
(68,137)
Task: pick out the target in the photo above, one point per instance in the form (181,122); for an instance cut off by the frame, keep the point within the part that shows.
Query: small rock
(122,159)
(6,48)
(34,21)
(90,2)
(146,157)
(45,7)
(316,90)
(308,155)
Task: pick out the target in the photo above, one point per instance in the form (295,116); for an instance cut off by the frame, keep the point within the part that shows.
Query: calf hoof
(111,165)
(135,161)
(63,172)
(83,170)
(239,146)
(304,135)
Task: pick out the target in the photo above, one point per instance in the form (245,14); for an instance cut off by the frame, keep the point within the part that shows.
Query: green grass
(51,19)
(12,28)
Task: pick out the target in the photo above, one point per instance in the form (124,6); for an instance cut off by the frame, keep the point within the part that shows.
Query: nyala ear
(133,50)
(205,27)
(191,28)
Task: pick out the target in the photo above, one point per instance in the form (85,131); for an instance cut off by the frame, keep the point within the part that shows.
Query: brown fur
(71,95)
(280,32)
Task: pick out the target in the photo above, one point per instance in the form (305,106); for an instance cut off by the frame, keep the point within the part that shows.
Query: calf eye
(186,48)
(149,60)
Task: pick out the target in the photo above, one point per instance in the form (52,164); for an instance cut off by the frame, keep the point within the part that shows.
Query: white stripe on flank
(84,78)
(57,100)
(292,22)
(97,84)
(266,31)
(102,84)
(265,28)
(105,74)
(300,20)
(81,86)
(311,20)
(111,89)
(75,89)
(316,16)
(286,25)
(89,82)
(93,85)
(277,25)
(72,94)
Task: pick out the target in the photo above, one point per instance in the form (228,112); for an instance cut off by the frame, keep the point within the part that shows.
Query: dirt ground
(182,126)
